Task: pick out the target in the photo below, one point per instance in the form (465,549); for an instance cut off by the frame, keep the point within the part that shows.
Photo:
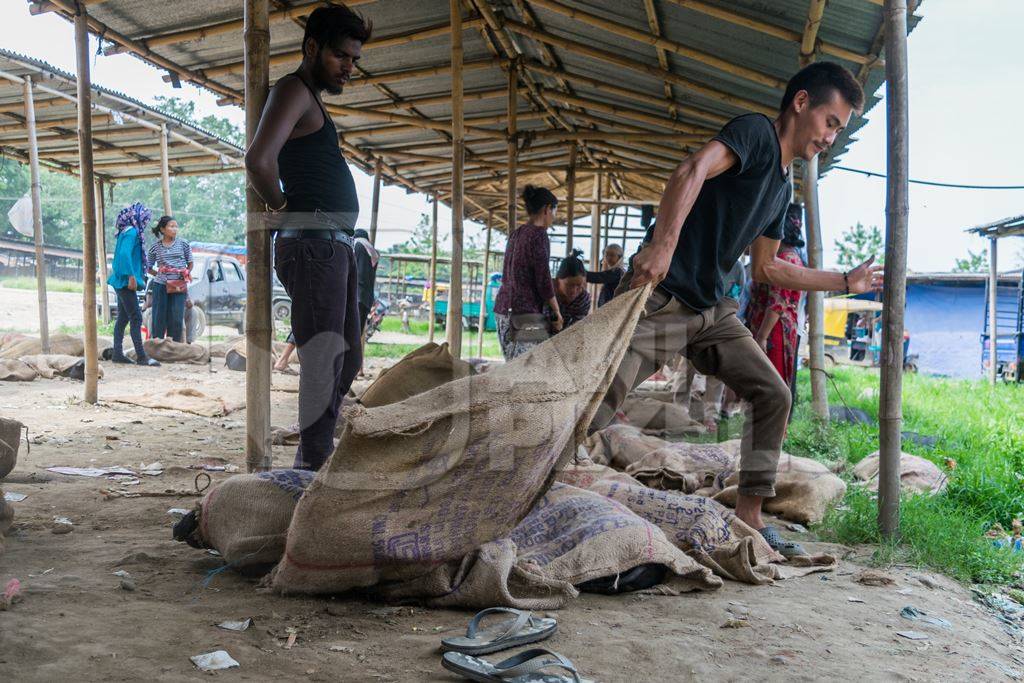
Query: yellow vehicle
(837,316)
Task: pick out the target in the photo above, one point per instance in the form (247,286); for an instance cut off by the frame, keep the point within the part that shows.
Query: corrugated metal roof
(1005,227)
(578,72)
(125,143)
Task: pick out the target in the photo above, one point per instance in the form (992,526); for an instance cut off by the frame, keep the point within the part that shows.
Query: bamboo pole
(621,111)
(37,215)
(482,324)
(815,300)
(433,271)
(453,329)
(595,237)
(165,176)
(993,300)
(570,201)
(101,249)
(894,295)
(88,204)
(809,39)
(259,326)
(375,207)
(513,123)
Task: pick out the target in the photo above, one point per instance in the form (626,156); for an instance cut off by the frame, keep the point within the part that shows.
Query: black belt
(317,234)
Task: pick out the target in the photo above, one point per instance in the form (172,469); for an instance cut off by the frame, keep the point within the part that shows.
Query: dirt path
(77,622)
(19,310)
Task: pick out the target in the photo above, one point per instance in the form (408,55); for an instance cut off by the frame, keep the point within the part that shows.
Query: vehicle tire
(910,367)
(282,310)
(197,326)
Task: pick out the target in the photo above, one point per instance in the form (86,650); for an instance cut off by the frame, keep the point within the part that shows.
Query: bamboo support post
(809,38)
(595,237)
(101,249)
(482,324)
(165,175)
(453,328)
(375,207)
(88,204)
(815,300)
(37,215)
(513,123)
(570,201)
(894,294)
(993,318)
(259,326)
(433,271)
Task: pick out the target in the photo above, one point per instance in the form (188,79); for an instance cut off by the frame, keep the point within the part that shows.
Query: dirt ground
(77,620)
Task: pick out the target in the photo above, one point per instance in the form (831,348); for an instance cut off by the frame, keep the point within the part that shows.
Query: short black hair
(536,198)
(331,24)
(571,266)
(820,80)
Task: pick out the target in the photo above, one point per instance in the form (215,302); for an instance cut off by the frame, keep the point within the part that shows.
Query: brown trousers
(717,344)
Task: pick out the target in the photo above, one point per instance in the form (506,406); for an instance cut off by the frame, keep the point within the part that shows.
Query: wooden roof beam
(621,111)
(220,28)
(655,25)
(624,31)
(776,31)
(295,56)
(653,71)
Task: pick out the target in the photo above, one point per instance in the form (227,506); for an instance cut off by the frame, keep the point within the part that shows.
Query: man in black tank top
(296,166)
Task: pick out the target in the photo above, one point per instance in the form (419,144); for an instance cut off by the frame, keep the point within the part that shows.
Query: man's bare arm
(651,264)
(768,268)
(286,104)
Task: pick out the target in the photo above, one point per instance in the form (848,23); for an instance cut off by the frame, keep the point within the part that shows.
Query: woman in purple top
(526,288)
(571,288)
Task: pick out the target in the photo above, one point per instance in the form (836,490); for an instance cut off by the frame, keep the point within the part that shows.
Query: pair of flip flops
(537,665)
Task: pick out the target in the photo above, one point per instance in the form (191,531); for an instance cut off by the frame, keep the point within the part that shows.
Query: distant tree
(858,244)
(974,263)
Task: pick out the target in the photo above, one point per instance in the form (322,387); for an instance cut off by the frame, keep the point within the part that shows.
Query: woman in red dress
(772,312)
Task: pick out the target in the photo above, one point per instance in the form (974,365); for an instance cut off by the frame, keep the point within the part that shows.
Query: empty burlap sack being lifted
(422,483)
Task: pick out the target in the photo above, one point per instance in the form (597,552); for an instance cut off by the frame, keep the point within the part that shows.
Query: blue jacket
(127,260)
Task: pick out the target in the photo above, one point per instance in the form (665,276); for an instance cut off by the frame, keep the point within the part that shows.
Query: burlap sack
(246,516)
(425,482)
(53,365)
(170,351)
(235,353)
(10,441)
(14,370)
(421,370)
(804,490)
(655,416)
(679,466)
(187,400)
(575,535)
(18,345)
(917,474)
(221,348)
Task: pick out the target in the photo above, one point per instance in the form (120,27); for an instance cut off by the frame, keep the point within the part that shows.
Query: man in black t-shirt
(731,195)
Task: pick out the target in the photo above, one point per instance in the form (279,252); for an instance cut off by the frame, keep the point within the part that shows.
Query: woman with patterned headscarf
(126,277)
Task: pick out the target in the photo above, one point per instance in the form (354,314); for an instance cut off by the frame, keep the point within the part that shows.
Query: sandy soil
(19,309)
(77,622)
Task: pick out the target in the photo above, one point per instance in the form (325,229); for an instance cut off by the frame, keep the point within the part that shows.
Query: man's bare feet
(748,509)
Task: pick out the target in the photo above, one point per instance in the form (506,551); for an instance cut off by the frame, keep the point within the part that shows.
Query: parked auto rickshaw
(853,334)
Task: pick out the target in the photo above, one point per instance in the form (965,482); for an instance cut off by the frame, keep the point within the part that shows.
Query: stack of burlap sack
(463,489)
(22,358)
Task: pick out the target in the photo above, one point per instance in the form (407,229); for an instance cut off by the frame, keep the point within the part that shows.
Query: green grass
(102,330)
(469,346)
(418,327)
(52,284)
(977,425)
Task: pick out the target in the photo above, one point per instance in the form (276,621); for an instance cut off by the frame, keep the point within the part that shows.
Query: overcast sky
(965,101)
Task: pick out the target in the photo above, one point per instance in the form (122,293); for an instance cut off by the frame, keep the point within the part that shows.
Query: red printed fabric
(782,341)
(526,275)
